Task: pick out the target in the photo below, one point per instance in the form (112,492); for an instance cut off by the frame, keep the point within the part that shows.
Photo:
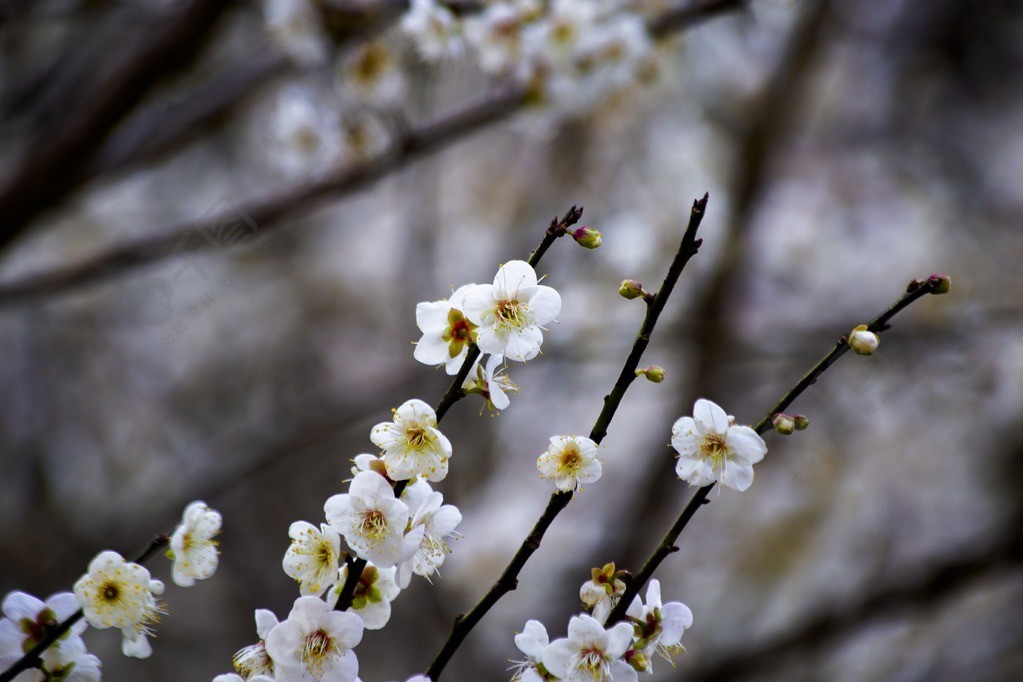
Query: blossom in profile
(487,380)
(570,461)
(510,312)
(371,520)
(590,653)
(713,449)
(412,444)
(193,548)
(116,593)
(438,523)
(447,334)
(312,558)
(253,661)
(315,643)
(532,641)
(658,627)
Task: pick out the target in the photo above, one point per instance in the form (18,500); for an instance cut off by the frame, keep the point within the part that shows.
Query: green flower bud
(630,289)
(783,423)
(863,342)
(800,422)
(587,237)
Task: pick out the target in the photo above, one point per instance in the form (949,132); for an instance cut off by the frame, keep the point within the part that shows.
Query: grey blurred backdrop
(847,147)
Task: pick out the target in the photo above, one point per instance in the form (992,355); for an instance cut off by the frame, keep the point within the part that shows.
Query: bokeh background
(847,147)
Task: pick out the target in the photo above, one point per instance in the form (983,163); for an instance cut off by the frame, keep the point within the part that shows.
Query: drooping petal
(533,639)
(675,618)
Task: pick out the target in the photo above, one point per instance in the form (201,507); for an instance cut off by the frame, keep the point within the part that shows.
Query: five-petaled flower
(315,643)
(447,334)
(590,653)
(412,444)
(371,520)
(570,461)
(312,558)
(510,312)
(711,448)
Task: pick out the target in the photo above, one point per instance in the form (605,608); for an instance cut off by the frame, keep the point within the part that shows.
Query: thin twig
(31,658)
(455,393)
(560,500)
(265,213)
(915,290)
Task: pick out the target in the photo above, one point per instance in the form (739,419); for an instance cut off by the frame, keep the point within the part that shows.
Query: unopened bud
(939,284)
(587,237)
(635,657)
(862,341)
(800,422)
(630,289)
(655,374)
(783,423)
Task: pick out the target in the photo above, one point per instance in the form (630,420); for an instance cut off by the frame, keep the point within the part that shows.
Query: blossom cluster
(570,54)
(113,593)
(594,652)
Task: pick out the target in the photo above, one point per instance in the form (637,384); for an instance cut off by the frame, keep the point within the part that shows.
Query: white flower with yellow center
(372,73)
(412,444)
(315,643)
(192,545)
(496,38)
(532,641)
(510,312)
(28,620)
(590,653)
(447,334)
(570,461)
(711,448)
(433,29)
(118,594)
(253,661)
(312,558)
(372,598)
(371,519)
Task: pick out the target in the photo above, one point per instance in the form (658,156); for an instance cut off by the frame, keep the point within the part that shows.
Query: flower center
(110,592)
(318,646)
(571,460)
(416,436)
(713,448)
(375,525)
(591,661)
(511,313)
(325,553)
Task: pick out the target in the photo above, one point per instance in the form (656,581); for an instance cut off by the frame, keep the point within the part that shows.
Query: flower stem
(668,546)
(31,658)
(560,500)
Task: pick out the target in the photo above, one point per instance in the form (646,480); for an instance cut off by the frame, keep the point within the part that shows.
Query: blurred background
(214,236)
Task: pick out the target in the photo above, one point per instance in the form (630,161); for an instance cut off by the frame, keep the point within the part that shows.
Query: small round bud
(863,342)
(939,284)
(587,237)
(800,422)
(783,423)
(655,374)
(630,289)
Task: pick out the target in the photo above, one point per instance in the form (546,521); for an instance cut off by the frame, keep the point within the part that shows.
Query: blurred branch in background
(410,145)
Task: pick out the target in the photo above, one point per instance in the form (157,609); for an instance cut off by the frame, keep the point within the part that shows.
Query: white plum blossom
(368,462)
(412,444)
(192,545)
(486,379)
(711,448)
(532,641)
(433,29)
(447,334)
(438,523)
(306,133)
(312,558)
(510,312)
(315,643)
(372,74)
(496,38)
(253,661)
(372,598)
(371,519)
(27,620)
(590,653)
(116,593)
(570,461)
(658,627)
(296,26)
